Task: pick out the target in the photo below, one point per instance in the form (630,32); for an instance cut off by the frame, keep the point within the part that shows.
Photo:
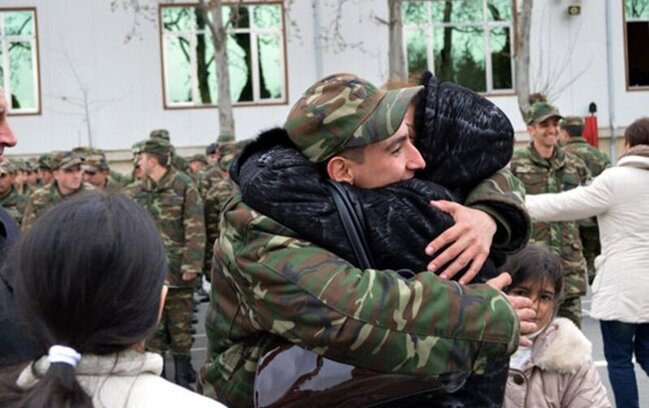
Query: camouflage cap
(160,134)
(65,160)
(31,164)
(7,167)
(198,157)
(343,110)
(540,111)
(96,160)
(229,152)
(45,161)
(572,121)
(157,146)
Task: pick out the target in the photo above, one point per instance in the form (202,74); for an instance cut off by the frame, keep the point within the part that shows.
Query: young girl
(90,284)
(557,370)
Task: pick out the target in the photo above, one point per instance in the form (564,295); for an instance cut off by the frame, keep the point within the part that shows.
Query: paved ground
(590,328)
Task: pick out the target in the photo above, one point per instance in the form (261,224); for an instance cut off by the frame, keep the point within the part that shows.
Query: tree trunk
(522,60)
(397,63)
(224,100)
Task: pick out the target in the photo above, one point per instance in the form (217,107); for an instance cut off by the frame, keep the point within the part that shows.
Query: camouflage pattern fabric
(596,161)
(44,198)
(207,178)
(269,286)
(177,208)
(540,111)
(343,110)
(14,203)
(173,333)
(218,195)
(561,172)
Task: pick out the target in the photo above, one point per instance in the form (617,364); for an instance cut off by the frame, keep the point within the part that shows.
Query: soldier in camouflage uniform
(12,200)
(97,172)
(270,286)
(572,141)
(216,197)
(198,162)
(545,168)
(177,208)
(178,162)
(45,168)
(68,181)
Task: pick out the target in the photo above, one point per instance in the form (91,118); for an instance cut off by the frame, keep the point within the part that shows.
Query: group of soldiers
(183,195)
(558,159)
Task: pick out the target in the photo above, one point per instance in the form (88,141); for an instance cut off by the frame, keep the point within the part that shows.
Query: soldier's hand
(468,242)
(187,276)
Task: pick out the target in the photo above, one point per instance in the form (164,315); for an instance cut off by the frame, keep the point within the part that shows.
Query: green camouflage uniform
(44,198)
(271,287)
(177,209)
(559,173)
(596,161)
(14,203)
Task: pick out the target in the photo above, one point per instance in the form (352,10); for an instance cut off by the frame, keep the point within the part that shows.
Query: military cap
(198,157)
(45,161)
(96,160)
(572,121)
(212,148)
(160,147)
(229,152)
(31,164)
(160,134)
(65,159)
(343,110)
(540,111)
(225,138)
(7,167)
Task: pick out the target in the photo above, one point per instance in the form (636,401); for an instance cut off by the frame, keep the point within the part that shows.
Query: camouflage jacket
(14,203)
(272,287)
(44,198)
(214,200)
(208,177)
(177,208)
(561,172)
(595,159)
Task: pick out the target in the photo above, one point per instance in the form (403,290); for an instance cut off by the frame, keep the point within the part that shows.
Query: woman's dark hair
(89,275)
(637,133)
(537,263)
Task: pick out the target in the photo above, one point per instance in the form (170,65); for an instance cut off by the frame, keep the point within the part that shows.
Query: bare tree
(396,58)
(522,56)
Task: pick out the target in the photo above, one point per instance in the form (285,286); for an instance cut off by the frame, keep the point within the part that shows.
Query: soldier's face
(95,177)
(545,134)
(145,163)
(543,296)
(6,182)
(390,160)
(68,180)
(45,175)
(7,137)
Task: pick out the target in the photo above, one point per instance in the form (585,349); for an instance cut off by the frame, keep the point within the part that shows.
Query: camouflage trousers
(571,309)
(590,240)
(174,332)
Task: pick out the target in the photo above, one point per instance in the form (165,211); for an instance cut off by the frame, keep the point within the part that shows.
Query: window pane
(176,18)
(270,65)
(459,56)
(499,10)
(457,11)
(240,67)
(22,75)
(242,20)
(416,51)
(414,12)
(638,52)
(636,9)
(19,22)
(501,58)
(179,85)
(267,16)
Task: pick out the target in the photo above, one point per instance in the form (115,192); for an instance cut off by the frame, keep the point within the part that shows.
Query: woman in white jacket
(90,282)
(619,197)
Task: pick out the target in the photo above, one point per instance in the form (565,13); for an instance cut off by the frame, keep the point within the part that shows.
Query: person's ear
(339,169)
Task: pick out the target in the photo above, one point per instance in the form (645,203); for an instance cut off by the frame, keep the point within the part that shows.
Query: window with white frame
(255,46)
(469,42)
(19,60)
(636,14)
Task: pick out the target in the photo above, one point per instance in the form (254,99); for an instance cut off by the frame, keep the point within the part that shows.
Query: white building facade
(99,72)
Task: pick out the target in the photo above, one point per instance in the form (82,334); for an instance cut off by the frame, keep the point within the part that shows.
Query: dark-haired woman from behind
(90,282)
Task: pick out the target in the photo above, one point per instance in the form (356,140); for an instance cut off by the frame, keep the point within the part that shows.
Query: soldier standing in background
(544,167)
(572,141)
(213,153)
(97,172)
(173,201)
(198,162)
(12,200)
(45,168)
(68,181)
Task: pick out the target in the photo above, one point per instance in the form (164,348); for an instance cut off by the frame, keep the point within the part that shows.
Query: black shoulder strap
(353,222)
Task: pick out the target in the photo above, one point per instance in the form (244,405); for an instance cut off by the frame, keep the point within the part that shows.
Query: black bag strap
(351,215)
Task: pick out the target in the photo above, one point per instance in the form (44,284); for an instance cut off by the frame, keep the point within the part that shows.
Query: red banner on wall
(590,130)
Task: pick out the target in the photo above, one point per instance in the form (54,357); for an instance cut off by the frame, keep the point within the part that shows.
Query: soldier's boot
(183,374)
